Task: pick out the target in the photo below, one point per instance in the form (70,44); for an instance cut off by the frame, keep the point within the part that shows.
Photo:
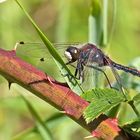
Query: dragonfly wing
(89,76)
(38,55)
(116,75)
(39,50)
(93,74)
(35,50)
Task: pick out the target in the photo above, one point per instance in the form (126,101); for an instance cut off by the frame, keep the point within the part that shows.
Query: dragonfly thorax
(72,54)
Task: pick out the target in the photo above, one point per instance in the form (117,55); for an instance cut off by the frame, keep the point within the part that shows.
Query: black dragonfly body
(91,56)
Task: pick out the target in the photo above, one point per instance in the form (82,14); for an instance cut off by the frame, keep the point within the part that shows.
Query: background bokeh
(61,21)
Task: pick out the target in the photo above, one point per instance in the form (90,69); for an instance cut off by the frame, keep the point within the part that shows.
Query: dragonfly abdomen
(126,69)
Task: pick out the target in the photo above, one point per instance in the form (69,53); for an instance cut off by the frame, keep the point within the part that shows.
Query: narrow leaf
(72,82)
(42,128)
(56,119)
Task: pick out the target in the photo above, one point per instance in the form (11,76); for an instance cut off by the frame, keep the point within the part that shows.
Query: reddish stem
(17,71)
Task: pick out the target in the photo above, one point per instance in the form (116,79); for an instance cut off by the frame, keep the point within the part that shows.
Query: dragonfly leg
(98,69)
(70,63)
(79,71)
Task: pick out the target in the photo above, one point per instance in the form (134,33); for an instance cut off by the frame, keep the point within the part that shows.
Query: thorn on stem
(50,80)
(88,137)
(63,112)
(66,112)
(9,84)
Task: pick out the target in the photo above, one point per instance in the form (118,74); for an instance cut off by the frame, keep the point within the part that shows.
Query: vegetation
(112,26)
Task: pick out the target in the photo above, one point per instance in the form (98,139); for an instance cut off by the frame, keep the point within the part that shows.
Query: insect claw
(115,88)
(68,75)
(64,74)
(67,63)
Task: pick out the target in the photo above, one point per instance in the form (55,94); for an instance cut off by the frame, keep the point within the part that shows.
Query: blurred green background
(61,21)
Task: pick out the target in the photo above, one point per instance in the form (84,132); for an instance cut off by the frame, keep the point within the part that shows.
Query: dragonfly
(89,55)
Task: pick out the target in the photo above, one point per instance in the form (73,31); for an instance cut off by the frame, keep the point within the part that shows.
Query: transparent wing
(117,77)
(39,50)
(93,75)
(38,55)
(88,79)
(36,50)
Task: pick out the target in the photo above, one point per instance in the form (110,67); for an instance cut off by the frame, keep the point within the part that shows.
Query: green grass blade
(30,133)
(72,82)
(105,22)
(95,22)
(41,127)
(95,36)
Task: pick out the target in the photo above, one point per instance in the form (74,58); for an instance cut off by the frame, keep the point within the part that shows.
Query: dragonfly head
(72,54)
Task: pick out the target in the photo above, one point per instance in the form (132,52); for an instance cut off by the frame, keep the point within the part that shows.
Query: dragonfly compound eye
(68,55)
(72,53)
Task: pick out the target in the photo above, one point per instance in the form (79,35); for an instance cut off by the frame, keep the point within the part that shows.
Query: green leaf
(101,100)
(95,31)
(72,82)
(95,8)
(133,128)
(134,134)
(137,97)
(53,121)
(95,23)
(42,128)
(134,123)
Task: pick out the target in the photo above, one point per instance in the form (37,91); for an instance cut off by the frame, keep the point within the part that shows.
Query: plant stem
(59,96)
(105,22)
(131,103)
(95,35)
